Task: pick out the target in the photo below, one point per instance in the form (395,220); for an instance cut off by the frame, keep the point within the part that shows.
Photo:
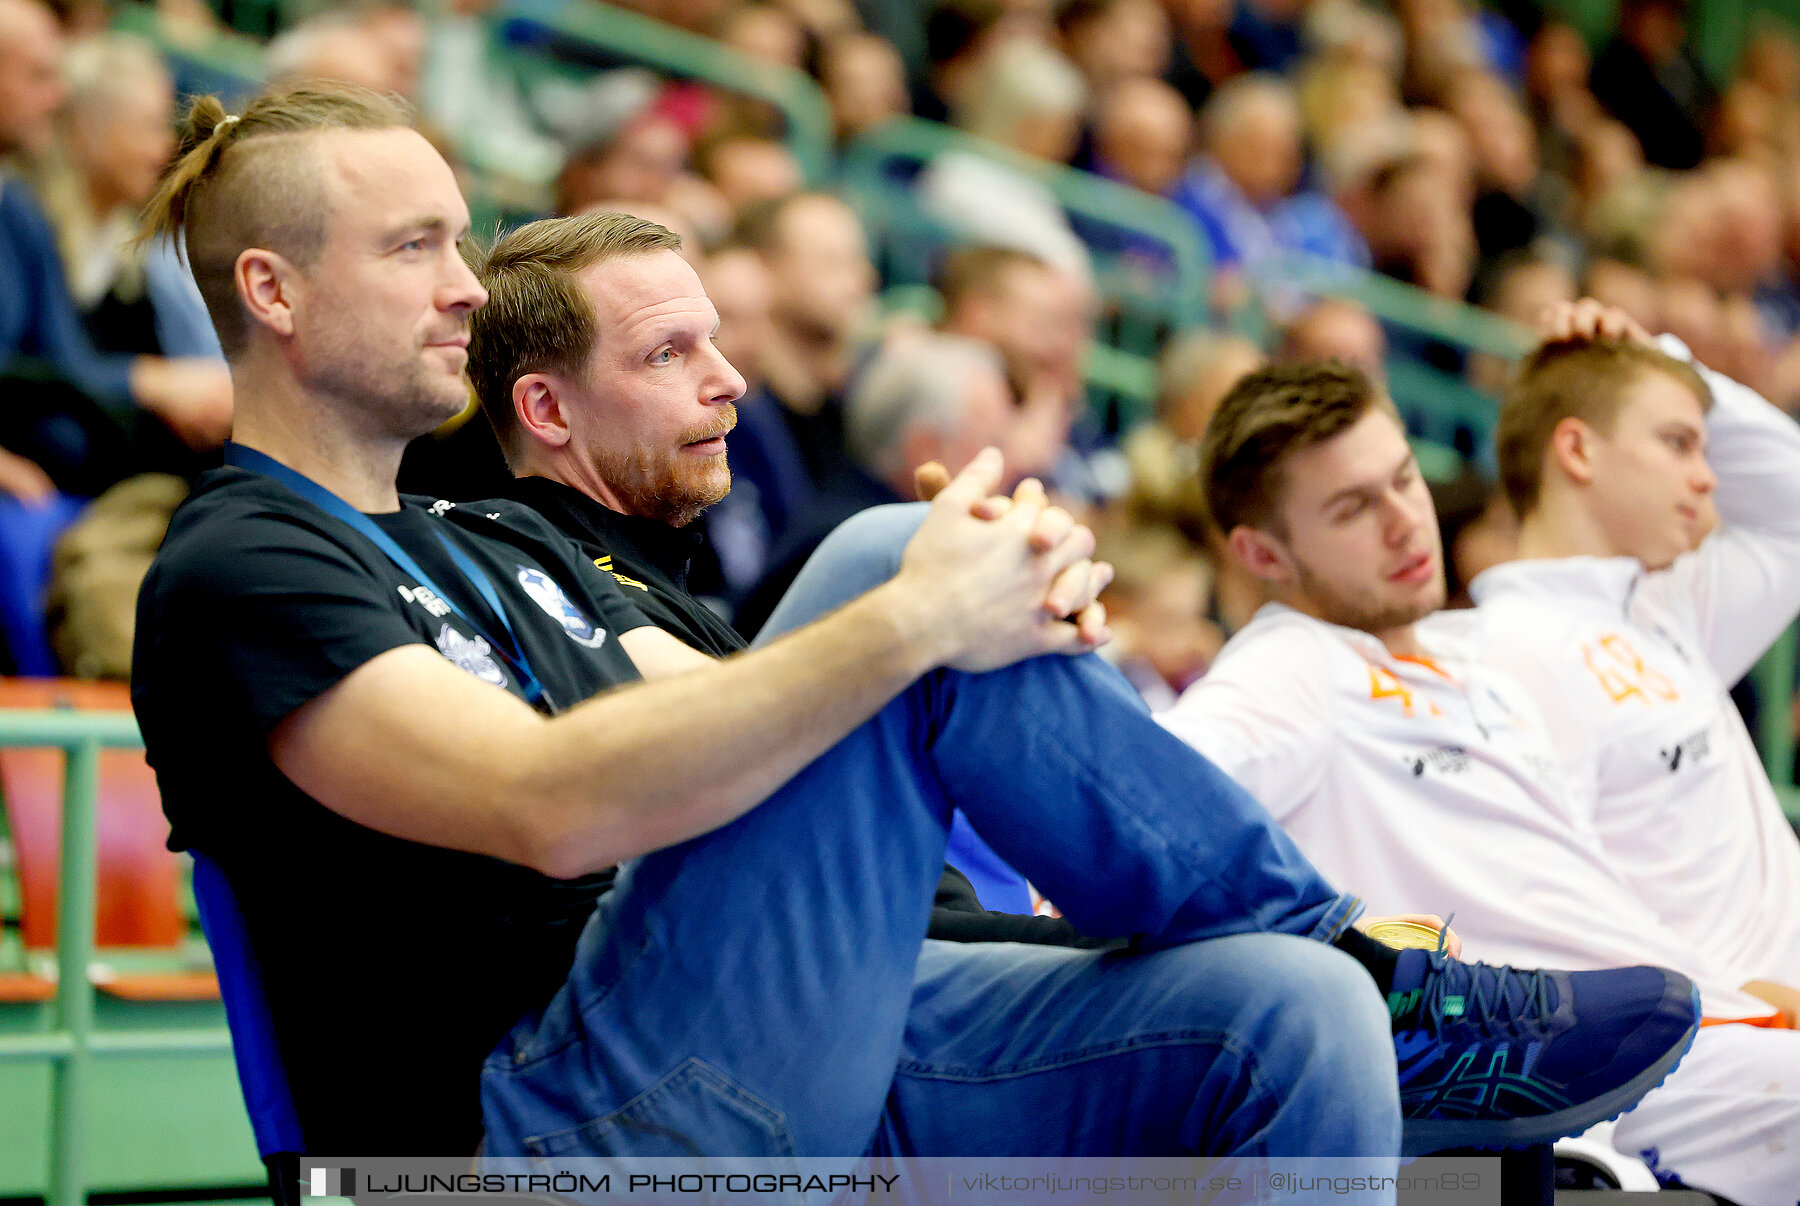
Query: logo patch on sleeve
(471,654)
(548,595)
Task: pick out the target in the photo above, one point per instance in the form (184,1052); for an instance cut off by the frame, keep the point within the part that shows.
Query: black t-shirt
(650,561)
(391,968)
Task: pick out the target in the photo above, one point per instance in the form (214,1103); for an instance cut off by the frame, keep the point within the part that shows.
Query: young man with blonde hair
(1628,620)
(1401,762)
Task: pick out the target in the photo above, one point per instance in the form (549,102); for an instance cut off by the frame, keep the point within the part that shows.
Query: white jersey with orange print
(1434,787)
(1426,787)
(1631,671)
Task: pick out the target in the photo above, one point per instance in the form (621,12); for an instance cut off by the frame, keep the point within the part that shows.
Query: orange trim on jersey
(1426,661)
(1774,1021)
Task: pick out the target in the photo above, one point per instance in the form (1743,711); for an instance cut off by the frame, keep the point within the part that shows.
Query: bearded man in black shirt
(409,734)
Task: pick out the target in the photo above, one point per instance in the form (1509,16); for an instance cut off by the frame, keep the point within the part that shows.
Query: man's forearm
(656,763)
(700,749)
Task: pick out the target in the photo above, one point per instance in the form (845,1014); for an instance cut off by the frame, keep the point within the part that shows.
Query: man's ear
(538,402)
(1572,450)
(266,286)
(1261,554)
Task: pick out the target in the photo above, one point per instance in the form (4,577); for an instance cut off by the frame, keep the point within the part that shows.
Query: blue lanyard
(511,652)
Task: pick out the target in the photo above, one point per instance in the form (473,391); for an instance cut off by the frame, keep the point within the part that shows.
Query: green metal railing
(224,62)
(72,1043)
(1084,195)
(1399,303)
(630,37)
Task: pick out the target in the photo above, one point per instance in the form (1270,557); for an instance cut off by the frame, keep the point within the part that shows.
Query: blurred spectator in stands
(1445,38)
(765,32)
(1556,92)
(625,148)
(1143,134)
(1771,58)
(1693,312)
(1607,156)
(692,248)
(1506,213)
(745,168)
(1202,55)
(1628,286)
(78,438)
(1790,228)
(1349,31)
(1751,217)
(1041,319)
(925,397)
(1747,121)
(1417,229)
(740,528)
(478,101)
(1527,282)
(1689,238)
(821,288)
(1194,375)
(1195,371)
(1520,285)
(743,291)
(1242,189)
(865,83)
(1252,158)
(1114,40)
(958,36)
(1363,155)
(328,47)
(399,28)
(1030,99)
(117,135)
(1340,96)
(1336,328)
(1157,610)
(1018,303)
(1443,143)
(1647,78)
(373,47)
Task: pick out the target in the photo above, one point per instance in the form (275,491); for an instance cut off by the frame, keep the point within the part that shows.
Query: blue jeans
(765,989)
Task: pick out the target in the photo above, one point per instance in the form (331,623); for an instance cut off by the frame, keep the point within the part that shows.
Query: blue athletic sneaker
(1492,1057)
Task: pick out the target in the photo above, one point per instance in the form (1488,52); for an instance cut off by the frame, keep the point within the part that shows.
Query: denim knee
(1332,1004)
(859,555)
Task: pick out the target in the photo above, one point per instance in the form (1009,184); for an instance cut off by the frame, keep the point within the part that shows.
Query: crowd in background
(1480,152)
